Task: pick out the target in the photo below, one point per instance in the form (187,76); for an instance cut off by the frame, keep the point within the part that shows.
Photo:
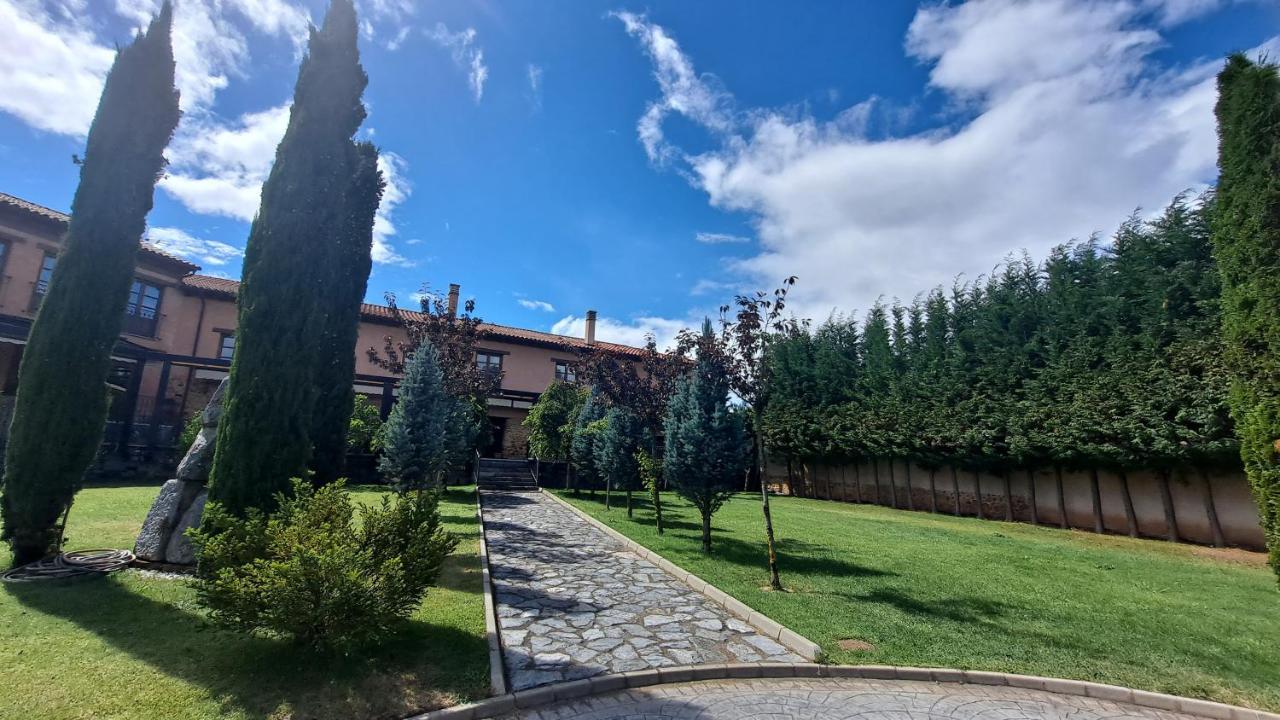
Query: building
(179,336)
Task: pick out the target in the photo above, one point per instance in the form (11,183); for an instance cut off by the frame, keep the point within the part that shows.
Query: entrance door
(497,433)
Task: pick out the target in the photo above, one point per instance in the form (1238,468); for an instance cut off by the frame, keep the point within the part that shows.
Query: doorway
(497,434)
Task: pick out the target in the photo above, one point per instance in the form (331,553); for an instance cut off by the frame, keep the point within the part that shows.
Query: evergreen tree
(426,428)
(582,447)
(1246,240)
(319,186)
(62,399)
(706,443)
(615,450)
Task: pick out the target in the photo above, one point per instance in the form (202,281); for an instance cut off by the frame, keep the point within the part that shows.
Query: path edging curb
(793,641)
(497,669)
(600,684)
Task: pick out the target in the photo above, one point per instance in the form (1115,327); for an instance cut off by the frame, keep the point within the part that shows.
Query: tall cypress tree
(287,321)
(1246,242)
(62,401)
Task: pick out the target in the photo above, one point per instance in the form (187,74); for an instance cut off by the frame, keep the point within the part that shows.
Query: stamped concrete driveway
(573,602)
(840,699)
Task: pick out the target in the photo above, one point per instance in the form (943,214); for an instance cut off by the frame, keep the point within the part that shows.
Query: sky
(651,160)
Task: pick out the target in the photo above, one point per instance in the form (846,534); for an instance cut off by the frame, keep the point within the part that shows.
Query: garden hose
(78,563)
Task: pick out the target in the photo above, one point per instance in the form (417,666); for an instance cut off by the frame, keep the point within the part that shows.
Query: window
(143,311)
(42,280)
(226,346)
(489,361)
(565,372)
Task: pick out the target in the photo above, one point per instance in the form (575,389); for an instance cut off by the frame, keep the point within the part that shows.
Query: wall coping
(793,641)
(601,684)
(497,670)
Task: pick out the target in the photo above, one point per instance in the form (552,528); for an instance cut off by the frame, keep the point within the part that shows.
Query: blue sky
(650,160)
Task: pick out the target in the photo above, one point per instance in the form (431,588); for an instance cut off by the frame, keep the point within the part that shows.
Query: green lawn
(130,646)
(933,590)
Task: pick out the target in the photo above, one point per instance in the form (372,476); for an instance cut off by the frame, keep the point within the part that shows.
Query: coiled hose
(78,563)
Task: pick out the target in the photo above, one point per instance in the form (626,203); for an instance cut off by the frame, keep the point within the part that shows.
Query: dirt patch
(855,645)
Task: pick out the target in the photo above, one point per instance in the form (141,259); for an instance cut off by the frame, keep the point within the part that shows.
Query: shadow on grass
(262,676)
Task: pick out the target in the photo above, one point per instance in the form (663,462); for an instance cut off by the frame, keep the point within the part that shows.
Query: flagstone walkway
(839,699)
(572,602)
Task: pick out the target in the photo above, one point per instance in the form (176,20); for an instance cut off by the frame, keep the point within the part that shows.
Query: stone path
(840,699)
(572,602)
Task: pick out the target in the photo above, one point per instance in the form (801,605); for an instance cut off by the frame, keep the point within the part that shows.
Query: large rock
(180,551)
(198,461)
(174,497)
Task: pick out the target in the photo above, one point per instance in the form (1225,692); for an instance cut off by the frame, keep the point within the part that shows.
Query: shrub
(190,430)
(364,433)
(316,573)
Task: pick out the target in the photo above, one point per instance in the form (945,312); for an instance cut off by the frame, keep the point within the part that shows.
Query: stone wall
(1185,505)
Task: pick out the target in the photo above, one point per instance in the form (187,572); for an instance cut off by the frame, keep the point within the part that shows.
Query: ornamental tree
(428,429)
(582,449)
(706,442)
(1246,242)
(615,450)
(320,187)
(61,406)
(551,421)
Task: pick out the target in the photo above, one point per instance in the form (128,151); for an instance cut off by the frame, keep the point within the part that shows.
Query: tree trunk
(1097,501)
(1062,498)
(933,490)
(569,480)
(911,502)
(1031,485)
(1170,516)
(629,515)
(955,488)
(1008,496)
(1211,510)
(706,532)
(657,506)
(775,581)
(791,478)
(1130,519)
(977,493)
(608,492)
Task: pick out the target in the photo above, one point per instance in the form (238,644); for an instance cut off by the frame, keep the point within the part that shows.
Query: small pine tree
(287,326)
(706,450)
(426,428)
(582,447)
(615,451)
(1246,240)
(62,400)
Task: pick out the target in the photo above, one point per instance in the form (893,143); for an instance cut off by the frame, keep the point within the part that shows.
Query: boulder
(180,551)
(198,461)
(175,496)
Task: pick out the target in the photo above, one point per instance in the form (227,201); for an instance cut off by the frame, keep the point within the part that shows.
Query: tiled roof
(61,217)
(220,287)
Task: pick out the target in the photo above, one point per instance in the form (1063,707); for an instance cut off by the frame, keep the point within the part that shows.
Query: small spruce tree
(582,447)
(62,399)
(706,448)
(1246,240)
(421,437)
(615,451)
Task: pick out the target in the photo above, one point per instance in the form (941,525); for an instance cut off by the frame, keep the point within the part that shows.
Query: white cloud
(1173,12)
(684,91)
(633,333)
(535,85)
(51,70)
(707,287)
(465,53)
(397,190)
(217,168)
(181,243)
(1068,125)
(536,305)
(709,238)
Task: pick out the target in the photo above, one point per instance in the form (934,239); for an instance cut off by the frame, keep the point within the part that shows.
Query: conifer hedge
(1246,242)
(62,398)
(304,262)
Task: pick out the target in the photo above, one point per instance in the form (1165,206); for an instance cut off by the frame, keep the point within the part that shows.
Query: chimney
(454,289)
(591,327)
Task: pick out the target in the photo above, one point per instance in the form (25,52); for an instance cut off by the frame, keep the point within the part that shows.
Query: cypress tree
(264,438)
(706,442)
(1246,241)
(62,401)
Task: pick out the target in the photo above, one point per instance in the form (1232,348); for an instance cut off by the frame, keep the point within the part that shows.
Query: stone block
(164,514)
(180,551)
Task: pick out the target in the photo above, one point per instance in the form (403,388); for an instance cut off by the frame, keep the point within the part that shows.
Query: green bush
(189,432)
(316,573)
(364,433)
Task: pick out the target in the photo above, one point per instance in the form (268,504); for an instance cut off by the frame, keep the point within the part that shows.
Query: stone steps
(505,475)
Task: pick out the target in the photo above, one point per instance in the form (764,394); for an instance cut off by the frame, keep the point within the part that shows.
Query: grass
(137,646)
(934,590)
